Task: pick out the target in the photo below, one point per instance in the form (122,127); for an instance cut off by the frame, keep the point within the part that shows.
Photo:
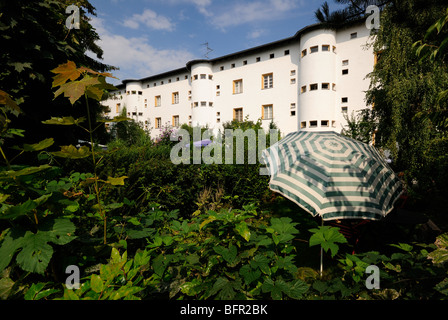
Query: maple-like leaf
(75,89)
(5,99)
(88,70)
(65,72)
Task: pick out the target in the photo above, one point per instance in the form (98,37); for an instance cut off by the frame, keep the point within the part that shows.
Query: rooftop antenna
(208,50)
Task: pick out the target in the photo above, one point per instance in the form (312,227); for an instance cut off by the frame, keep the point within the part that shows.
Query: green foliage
(120,279)
(228,254)
(35,40)
(327,237)
(405,90)
(360,127)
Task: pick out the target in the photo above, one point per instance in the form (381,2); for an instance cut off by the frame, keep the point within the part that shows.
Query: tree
(354,11)
(34,39)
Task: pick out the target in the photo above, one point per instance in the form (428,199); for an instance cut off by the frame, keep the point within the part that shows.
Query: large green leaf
(96,283)
(36,252)
(229,255)
(72,152)
(36,146)
(327,237)
(23,172)
(440,255)
(225,289)
(243,230)
(64,121)
(19,210)
(249,275)
(59,231)
(11,243)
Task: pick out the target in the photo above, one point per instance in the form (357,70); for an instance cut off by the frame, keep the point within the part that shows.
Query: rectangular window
(210,77)
(353,35)
(232,65)
(117,110)
(293,113)
(313,86)
(158,101)
(313,124)
(293,105)
(325,86)
(203,103)
(344,109)
(195,77)
(238,114)
(221,68)
(286,52)
(325,47)
(237,86)
(344,100)
(345,71)
(271,56)
(203,76)
(345,62)
(266,112)
(268,81)
(324,123)
(314,49)
(303,53)
(244,62)
(293,72)
(175,98)
(303,89)
(302,124)
(176,121)
(133,92)
(158,123)
(258,59)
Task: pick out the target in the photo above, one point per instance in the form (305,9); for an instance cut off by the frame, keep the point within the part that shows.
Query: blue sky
(147,37)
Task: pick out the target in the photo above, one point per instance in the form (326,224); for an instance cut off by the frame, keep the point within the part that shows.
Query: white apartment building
(305,82)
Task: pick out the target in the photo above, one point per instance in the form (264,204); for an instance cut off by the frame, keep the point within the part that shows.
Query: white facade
(306,82)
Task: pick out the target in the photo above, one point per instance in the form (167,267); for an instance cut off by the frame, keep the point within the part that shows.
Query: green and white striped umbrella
(332,176)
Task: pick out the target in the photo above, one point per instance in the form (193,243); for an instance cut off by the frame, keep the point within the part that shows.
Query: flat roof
(296,37)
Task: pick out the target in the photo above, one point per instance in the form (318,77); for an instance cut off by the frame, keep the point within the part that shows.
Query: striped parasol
(332,176)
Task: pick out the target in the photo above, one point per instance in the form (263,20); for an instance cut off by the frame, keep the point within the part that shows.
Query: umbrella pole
(321,255)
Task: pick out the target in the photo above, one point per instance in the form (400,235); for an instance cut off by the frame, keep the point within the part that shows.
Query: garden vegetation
(139,227)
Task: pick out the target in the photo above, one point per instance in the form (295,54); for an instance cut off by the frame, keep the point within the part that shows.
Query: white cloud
(255,34)
(252,12)
(135,57)
(150,19)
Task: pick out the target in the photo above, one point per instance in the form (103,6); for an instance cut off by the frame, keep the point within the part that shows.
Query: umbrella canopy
(333,176)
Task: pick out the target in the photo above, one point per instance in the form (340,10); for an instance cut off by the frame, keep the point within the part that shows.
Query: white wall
(320,67)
